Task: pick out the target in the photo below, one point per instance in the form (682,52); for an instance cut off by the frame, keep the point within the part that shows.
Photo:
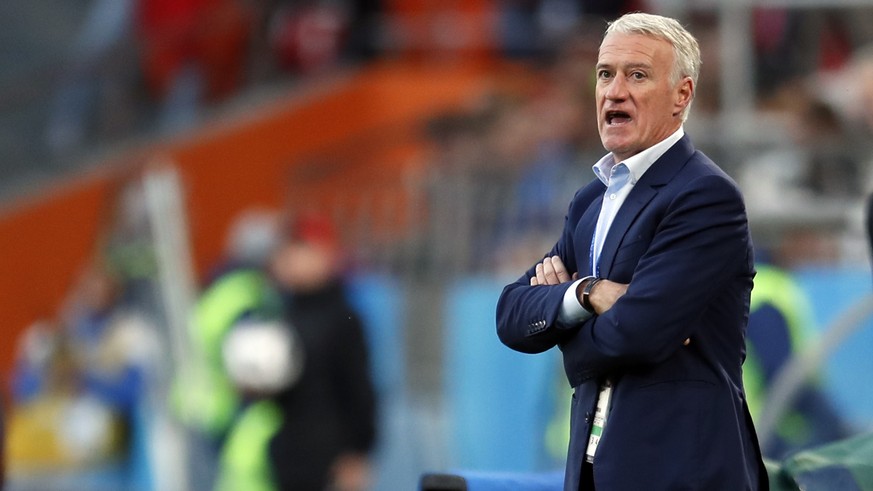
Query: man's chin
(615,136)
(617,148)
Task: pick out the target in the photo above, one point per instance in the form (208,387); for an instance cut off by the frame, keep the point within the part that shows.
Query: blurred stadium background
(445,138)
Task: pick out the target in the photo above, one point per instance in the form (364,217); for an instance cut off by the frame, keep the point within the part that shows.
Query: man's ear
(684,95)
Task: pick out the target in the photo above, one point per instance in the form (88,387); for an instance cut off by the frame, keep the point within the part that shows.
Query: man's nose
(617,90)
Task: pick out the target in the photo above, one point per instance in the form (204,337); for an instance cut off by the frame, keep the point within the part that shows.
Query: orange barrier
(241,161)
(42,244)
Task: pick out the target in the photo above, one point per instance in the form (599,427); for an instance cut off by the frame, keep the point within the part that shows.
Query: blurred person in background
(192,52)
(780,327)
(79,383)
(650,310)
(308,37)
(303,414)
(55,426)
(112,337)
(299,38)
(204,396)
(329,415)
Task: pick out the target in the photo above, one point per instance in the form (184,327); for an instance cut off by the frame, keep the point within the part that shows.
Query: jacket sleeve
(527,317)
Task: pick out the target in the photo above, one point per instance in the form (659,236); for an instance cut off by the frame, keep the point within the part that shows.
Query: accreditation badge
(599,423)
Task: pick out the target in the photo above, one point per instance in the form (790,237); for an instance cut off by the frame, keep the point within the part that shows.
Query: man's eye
(603,74)
(638,75)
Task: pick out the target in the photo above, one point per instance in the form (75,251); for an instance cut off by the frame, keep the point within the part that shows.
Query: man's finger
(560,269)
(533,281)
(549,272)
(541,277)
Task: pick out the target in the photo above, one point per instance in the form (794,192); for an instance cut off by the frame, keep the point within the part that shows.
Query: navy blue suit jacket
(678,416)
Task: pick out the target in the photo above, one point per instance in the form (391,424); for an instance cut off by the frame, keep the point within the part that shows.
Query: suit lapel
(645,189)
(633,205)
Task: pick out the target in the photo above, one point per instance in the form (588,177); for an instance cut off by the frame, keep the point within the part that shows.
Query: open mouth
(617,118)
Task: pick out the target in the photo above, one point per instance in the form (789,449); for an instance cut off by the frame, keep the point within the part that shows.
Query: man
(317,431)
(330,414)
(652,329)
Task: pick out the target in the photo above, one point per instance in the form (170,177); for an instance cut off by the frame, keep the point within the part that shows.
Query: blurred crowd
(507,164)
(190,54)
(80,378)
(79,76)
(131,68)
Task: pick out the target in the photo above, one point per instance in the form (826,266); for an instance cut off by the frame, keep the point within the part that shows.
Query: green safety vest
(244,463)
(778,289)
(204,397)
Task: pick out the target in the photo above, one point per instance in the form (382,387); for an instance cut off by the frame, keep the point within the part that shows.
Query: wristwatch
(585,297)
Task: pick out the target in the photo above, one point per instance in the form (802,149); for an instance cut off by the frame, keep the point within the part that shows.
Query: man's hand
(551,272)
(351,472)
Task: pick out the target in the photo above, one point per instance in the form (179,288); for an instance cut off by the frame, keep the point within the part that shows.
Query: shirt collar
(637,164)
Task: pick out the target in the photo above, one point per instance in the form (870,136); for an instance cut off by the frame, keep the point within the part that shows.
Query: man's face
(637,103)
(302,266)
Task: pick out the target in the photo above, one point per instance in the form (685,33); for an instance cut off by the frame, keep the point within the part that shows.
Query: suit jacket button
(588,417)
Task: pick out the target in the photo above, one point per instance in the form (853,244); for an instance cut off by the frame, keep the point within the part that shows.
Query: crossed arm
(604,294)
(551,271)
